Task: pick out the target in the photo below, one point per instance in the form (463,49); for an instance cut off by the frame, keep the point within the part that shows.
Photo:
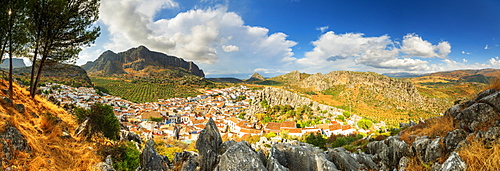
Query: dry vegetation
(438,126)
(480,156)
(42,128)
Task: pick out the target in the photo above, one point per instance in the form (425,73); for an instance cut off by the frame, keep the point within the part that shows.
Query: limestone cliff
(110,63)
(276,96)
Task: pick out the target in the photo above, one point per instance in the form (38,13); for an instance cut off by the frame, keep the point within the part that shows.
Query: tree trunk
(4,45)
(40,68)
(11,92)
(33,70)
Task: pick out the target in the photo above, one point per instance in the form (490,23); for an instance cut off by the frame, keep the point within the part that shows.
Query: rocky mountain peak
(109,63)
(256,77)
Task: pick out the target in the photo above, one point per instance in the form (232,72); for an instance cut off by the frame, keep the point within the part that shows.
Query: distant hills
(67,74)
(16,63)
(136,60)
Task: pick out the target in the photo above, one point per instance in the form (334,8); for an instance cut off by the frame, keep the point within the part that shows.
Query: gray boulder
(185,161)
(151,160)
(240,157)
(453,163)
(343,160)
(387,153)
(298,157)
(208,144)
(419,146)
(12,141)
(129,136)
(453,138)
(105,166)
(433,151)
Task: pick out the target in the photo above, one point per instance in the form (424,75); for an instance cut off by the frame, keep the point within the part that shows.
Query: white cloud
(216,39)
(464,60)
(486,47)
(494,61)
(413,45)
(322,29)
(467,53)
(230,48)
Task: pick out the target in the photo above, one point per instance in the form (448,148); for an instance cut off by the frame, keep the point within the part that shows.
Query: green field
(140,92)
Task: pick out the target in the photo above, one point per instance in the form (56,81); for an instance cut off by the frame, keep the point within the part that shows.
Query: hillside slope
(39,136)
(71,75)
(370,95)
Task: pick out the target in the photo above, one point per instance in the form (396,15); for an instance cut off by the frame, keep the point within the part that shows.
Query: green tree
(315,139)
(365,123)
(59,29)
(101,120)
(125,156)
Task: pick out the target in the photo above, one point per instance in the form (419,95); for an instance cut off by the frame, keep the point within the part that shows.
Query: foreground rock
(240,157)
(208,145)
(151,160)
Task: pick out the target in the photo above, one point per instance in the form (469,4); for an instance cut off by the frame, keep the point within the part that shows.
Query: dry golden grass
(494,84)
(438,126)
(415,165)
(49,151)
(479,157)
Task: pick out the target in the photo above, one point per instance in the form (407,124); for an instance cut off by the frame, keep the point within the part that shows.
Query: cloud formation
(213,37)
(377,52)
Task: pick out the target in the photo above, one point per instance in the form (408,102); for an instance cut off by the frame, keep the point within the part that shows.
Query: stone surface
(299,157)
(150,160)
(129,136)
(11,140)
(343,160)
(453,138)
(208,145)
(107,165)
(387,153)
(419,146)
(433,151)
(453,163)
(185,161)
(240,156)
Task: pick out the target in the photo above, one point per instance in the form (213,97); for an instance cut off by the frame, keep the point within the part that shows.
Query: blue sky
(272,37)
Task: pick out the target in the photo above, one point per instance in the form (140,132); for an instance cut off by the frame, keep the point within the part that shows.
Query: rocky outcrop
(110,63)
(107,165)
(185,161)
(151,160)
(240,156)
(208,145)
(256,77)
(276,96)
(298,157)
(129,136)
(67,74)
(12,141)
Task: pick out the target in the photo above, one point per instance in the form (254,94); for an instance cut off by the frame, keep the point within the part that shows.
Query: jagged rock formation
(151,160)
(256,77)
(208,145)
(240,156)
(276,96)
(110,63)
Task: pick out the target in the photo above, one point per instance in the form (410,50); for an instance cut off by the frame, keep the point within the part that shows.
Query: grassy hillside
(42,125)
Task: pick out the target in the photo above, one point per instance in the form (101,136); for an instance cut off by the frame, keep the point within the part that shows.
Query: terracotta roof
(346,127)
(323,126)
(235,120)
(336,126)
(293,130)
(273,126)
(250,131)
(288,124)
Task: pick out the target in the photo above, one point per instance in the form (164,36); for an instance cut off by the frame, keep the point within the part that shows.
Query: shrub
(315,139)
(125,156)
(101,120)
(365,123)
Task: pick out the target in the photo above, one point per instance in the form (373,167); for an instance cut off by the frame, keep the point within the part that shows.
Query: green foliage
(264,104)
(315,139)
(347,114)
(242,115)
(334,90)
(365,123)
(156,119)
(340,117)
(101,120)
(342,140)
(240,98)
(141,92)
(270,135)
(310,93)
(125,156)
